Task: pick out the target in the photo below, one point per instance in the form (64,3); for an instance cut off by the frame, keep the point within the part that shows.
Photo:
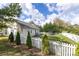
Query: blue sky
(42,13)
(42,8)
(39,12)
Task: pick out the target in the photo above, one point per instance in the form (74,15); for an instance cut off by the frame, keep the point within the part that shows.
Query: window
(12,30)
(35,31)
(31,31)
(22,29)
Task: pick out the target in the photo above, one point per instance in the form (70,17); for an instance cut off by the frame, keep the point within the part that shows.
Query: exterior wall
(8,31)
(32,32)
(12,28)
(37,32)
(22,29)
(19,27)
(23,35)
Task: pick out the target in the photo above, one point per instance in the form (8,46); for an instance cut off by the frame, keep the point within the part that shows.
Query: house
(23,28)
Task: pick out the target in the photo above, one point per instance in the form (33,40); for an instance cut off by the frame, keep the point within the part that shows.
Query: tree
(11,37)
(7,13)
(57,26)
(47,27)
(74,29)
(56,29)
(29,41)
(45,45)
(18,42)
(59,22)
(51,28)
(41,29)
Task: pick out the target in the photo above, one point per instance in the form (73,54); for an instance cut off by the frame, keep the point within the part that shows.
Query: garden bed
(13,50)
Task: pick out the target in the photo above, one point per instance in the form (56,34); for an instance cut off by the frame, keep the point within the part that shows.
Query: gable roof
(33,26)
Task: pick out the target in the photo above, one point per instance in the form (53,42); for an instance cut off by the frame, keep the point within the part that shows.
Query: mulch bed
(24,49)
(20,50)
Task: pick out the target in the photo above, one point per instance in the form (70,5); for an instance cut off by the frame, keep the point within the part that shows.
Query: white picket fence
(59,49)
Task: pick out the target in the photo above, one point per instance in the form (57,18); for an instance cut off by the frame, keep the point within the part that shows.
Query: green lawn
(3,38)
(61,38)
(13,50)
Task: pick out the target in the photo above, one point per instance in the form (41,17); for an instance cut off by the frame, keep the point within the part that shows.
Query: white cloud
(26,8)
(75,20)
(37,17)
(27,20)
(49,19)
(70,13)
(49,7)
(58,7)
(2,5)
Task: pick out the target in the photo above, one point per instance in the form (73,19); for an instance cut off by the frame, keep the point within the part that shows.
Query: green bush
(18,42)
(29,41)
(11,37)
(77,50)
(45,45)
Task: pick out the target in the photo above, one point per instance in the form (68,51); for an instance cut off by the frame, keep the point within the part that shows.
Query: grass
(12,49)
(61,38)
(3,38)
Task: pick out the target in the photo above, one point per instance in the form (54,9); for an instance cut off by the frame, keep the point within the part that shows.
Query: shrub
(77,50)
(28,41)
(18,42)
(45,45)
(11,37)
